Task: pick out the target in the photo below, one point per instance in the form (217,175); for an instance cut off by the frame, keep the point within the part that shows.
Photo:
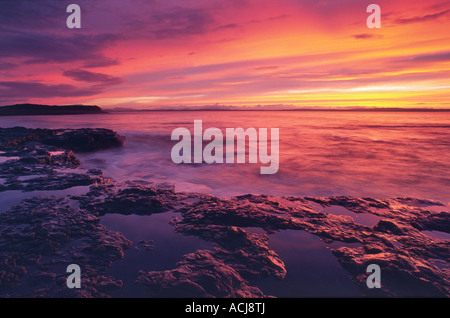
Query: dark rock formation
(134,199)
(39,160)
(84,140)
(409,258)
(40,237)
(78,140)
(199,274)
(34,109)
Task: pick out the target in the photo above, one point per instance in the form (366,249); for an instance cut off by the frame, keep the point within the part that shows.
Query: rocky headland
(41,235)
(36,109)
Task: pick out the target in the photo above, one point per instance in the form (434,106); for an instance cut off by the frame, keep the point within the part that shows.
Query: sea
(321,153)
(377,154)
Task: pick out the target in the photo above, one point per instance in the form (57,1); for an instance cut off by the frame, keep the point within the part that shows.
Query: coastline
(39,110)
(40,236)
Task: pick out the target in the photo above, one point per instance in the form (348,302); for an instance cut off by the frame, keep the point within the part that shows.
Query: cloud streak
(41,48)
(40,90)
(424,18)
(87,76)
(364,36)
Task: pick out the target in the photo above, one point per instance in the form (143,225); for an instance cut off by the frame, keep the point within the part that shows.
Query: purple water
(376,154)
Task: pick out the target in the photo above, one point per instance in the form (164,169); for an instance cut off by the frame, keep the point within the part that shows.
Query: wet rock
(84,140)
(390,226)
(248,252)
(140,200)
(373,248)
(78,140)
(41,236)
(13,137)
(37,166)
(409,265)
(402,274)
(199,274)
(434,222)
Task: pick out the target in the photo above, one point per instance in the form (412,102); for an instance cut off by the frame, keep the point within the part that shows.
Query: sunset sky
(149,53)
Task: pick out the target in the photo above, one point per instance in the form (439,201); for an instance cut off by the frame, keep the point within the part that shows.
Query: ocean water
(321,153)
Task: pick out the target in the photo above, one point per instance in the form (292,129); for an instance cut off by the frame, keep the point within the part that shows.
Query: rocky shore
(41,235)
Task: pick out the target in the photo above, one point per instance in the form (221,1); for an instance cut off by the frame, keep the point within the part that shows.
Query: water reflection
(374,154)
(312,270)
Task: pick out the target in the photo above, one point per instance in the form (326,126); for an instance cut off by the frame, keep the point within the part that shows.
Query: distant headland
(36,109)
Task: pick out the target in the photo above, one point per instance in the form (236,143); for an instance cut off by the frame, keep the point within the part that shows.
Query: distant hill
(35,109)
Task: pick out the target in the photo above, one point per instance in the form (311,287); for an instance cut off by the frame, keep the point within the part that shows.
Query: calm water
(380,155)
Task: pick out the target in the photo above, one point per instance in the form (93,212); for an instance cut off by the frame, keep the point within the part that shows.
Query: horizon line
(219,107)
(381,109)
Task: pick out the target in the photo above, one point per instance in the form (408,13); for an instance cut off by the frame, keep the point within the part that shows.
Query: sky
(146,54)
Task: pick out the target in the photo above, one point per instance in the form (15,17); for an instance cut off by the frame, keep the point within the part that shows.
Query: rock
(85,140)
(199,274)
(38,166)
(402,274)
(78,140)
(41,236)
(139,200)
(373,248)
(389,226)
(434,222)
